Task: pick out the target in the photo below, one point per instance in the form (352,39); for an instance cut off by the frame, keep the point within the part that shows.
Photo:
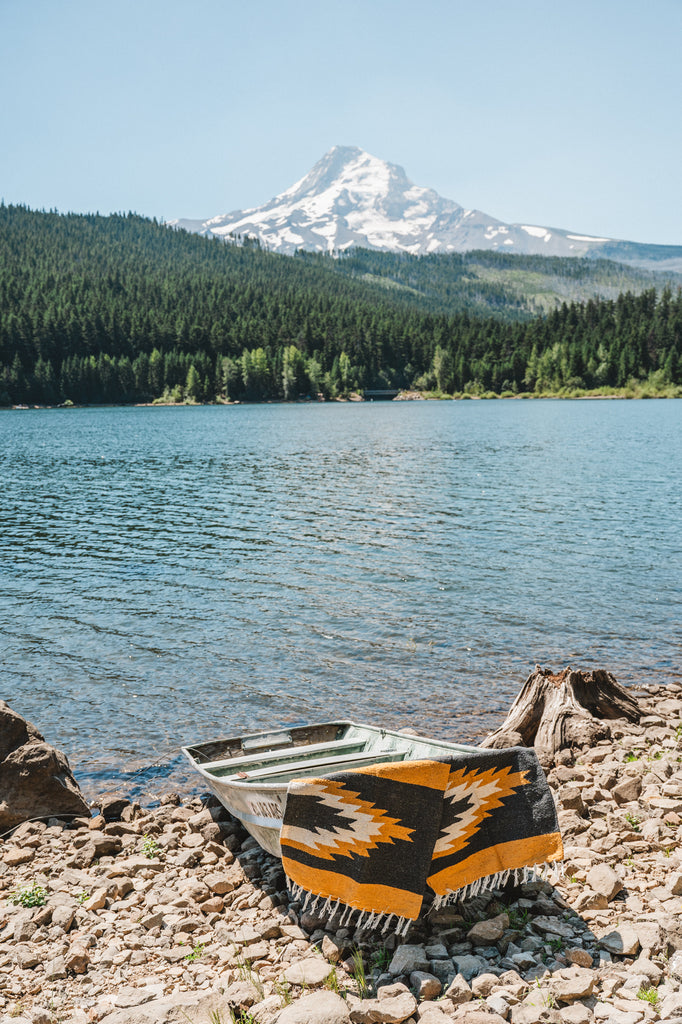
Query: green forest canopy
(124,309)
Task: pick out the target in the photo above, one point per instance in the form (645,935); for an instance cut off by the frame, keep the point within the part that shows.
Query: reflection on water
(167,575)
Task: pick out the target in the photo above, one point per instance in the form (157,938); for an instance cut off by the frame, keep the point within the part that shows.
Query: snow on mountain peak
(351,198)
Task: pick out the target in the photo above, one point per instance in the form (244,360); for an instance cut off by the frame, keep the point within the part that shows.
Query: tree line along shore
(123,310)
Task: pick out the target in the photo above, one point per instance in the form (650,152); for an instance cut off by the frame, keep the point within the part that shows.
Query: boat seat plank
(329,764)
(286,754)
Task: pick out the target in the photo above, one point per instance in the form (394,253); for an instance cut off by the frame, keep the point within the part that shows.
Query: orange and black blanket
(372,839)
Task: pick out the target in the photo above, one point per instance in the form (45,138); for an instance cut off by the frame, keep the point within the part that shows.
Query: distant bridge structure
(380,394)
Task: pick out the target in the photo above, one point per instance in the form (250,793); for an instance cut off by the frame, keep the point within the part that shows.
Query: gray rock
(485,933)
(126,998)
(484,984)
(628,790)
(623,941)
(24,926)
(437,951)
(424,985)
(311,971)
(603,879)
(554,926)
(572,983)
(63,915)
(35,779)
(407,959)
(523,961)
(182,1008)
(468,965)
(458,991)
(242,994)
(675,966)
(266,1010)
(55,969)
(498,1004)
(384,1010)
(651,936)
(26,956)
(576,1013)
(316,1008)
(152,921)
(433,1015)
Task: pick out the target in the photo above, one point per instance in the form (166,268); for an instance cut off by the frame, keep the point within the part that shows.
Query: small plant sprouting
(631,757)
(283,990)
(197,952)
(332,981)
(150,848)
(517,918)
(83,896)
(633,821)
(358,973)
(649,995)
(32,895)
(556,945)
(381,958)
(247,973)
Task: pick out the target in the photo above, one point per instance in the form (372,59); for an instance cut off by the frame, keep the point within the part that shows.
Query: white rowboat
(250,774)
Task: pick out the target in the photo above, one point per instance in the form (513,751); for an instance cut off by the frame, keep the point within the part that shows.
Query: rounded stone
(311,971)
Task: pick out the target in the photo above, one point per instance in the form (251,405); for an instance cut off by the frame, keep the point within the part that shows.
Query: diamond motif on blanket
(481,792)
(354,827)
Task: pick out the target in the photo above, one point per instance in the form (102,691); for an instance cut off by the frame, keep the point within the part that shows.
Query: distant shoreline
(621,394)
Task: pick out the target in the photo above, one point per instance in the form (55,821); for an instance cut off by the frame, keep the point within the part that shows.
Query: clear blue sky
(564,113)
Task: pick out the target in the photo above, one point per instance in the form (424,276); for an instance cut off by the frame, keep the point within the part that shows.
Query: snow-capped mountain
(351,198)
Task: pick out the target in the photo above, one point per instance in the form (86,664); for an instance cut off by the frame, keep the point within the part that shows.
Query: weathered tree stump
(556,713)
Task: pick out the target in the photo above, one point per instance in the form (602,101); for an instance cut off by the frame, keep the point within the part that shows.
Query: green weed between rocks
(247,973)
(358,973)
(149,847)
(32,895)
(633,821)
(332,982)
(196,953)
(649,995)
(283,990)
(517,918)
(380,959)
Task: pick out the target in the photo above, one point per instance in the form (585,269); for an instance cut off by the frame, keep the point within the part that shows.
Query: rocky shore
(175,914)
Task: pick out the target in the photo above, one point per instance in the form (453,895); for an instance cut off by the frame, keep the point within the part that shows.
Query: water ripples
(172,574)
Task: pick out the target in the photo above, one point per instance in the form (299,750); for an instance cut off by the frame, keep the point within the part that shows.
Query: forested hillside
(123,309)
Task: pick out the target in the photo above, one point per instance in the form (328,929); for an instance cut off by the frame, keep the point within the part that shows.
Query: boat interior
(278,757)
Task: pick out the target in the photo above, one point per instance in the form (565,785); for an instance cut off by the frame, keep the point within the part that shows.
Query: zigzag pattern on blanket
(371,839)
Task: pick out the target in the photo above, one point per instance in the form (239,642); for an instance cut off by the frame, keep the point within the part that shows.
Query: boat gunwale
(230,782)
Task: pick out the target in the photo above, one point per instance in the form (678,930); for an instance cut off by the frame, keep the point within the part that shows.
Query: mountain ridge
(350,199)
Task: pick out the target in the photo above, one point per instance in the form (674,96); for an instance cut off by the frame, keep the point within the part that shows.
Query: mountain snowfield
(351,198)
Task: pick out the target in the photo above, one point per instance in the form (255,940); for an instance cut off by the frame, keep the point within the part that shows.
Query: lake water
(172,574)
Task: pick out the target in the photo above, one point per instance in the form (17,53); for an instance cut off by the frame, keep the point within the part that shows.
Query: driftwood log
(557,713)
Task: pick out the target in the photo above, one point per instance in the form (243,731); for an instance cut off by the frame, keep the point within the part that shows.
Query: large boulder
(35,779)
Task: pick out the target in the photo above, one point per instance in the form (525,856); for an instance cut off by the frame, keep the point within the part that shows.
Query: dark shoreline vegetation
(123,310)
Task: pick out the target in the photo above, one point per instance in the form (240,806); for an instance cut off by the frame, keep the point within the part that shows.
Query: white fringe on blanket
(521,876)
(367,920)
